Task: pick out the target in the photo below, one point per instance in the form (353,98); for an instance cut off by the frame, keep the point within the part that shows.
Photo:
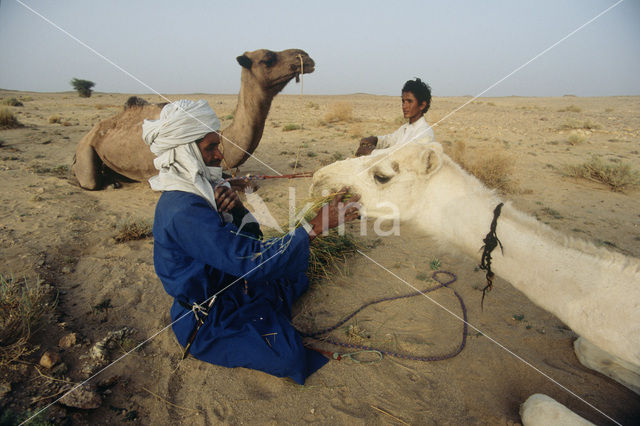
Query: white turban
(172,139)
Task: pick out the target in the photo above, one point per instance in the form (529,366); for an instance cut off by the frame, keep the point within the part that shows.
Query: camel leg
(541,410)
(619,370)
(86,167)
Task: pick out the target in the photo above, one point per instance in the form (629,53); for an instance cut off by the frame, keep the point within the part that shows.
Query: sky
(477,48)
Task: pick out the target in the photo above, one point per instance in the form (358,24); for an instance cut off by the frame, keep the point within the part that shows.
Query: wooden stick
(171,403)
(390,415)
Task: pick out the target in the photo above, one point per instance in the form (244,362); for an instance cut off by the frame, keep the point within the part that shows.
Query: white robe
(419,129)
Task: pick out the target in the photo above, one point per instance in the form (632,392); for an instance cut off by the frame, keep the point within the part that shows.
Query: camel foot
(619,370)
(539,409)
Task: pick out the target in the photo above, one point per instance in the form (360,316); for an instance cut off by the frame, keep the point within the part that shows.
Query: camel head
(273,70)
(392,182)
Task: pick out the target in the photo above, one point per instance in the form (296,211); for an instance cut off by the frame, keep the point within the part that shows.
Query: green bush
(83,87)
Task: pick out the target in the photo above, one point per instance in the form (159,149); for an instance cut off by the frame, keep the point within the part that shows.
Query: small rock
(66,269)
(49,359)
(85,399)
(107,383)
(59,370)
(67,341)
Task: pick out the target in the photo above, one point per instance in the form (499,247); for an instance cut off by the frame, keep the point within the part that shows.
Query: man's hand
(226,199)
(367,145)
(335,213)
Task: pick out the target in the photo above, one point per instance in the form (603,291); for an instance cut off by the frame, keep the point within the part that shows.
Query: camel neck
(242,136)
(590,289)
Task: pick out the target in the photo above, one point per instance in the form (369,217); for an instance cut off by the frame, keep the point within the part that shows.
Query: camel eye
(270,59)
(380,178)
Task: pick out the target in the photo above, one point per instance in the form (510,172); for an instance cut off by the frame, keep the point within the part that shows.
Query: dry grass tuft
(491,164)
(130,229)
(339,111)
(576,138)
(12,102)
(575,124)
(8,120)
(22,308)
(570,108)
(618,176)
(55,119)
(291,126)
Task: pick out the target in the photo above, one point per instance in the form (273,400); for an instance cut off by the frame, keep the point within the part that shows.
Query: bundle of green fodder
(327,253)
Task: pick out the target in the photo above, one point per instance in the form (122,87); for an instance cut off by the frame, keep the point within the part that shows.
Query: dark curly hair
(420,90)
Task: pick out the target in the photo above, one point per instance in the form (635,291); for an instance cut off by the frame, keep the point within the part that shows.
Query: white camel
(594,291)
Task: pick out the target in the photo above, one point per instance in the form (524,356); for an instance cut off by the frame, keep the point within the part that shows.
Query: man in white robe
(416,99)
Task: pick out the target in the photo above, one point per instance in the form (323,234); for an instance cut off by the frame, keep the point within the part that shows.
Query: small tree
(83,87)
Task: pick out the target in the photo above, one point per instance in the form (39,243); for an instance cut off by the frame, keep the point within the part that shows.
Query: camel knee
(541,410)
(86,167)
(611,366)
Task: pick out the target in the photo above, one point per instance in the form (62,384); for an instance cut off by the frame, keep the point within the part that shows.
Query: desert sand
(53,229)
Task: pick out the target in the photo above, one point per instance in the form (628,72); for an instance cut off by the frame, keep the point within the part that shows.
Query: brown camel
(116,143)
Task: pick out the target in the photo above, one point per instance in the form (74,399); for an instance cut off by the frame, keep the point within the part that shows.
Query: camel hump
(134,102)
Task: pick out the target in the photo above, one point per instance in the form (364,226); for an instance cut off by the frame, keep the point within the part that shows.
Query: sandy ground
(53,229)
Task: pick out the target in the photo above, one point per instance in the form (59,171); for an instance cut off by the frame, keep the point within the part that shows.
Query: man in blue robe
(233,292)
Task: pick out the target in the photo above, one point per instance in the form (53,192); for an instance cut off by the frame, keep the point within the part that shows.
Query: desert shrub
(570,108)
(12,102)
(83,87)
(312,105)
(55,119)
(130,229)
(491,164)
(618,176)
(576,138)
(575,124)
(289,127)
(23,306)
(339,111)
(8,120)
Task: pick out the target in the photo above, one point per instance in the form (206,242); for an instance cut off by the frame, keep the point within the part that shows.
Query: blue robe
(196,255)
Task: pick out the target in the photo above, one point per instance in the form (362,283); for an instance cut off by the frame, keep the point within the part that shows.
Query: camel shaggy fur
(116,143)
(594,291)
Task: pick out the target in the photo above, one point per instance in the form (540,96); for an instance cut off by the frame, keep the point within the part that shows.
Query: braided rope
(316,334)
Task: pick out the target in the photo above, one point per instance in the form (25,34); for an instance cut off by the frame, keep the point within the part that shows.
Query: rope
(491,241)
(261,177)
(334,355)
(301,89)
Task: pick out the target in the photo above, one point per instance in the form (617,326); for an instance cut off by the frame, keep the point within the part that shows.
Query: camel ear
(244,61)
(431,159)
